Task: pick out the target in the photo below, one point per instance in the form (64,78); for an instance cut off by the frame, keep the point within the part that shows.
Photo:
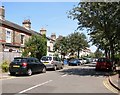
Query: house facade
(13,37)
(50,44)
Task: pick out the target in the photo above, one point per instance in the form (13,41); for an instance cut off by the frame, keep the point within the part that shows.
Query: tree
(98,53)
(77,42)
(36,46)
(100,19)
(61,45)
(72,43)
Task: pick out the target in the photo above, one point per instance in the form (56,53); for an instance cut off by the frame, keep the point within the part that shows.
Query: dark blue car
(74,62)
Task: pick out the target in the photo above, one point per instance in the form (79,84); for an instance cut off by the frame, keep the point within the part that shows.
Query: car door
(39,65)
(59,62)
(33,65)
(55,61)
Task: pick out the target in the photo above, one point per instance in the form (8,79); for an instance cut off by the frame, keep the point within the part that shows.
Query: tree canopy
(72,43)
(36,46)
(102,20)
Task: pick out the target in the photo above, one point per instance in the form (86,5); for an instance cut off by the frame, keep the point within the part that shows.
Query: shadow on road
(86,72)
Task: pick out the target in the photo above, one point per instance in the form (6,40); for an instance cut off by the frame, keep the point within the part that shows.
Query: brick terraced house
(13,36)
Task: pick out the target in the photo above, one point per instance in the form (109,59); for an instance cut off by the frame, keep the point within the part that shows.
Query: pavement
(114,80)
(4,75)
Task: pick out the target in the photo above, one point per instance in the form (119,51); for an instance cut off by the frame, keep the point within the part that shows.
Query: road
(71,79)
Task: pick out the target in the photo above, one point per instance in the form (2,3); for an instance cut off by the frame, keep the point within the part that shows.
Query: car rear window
(103,60)
(46,58)
(19,59)
(72,60)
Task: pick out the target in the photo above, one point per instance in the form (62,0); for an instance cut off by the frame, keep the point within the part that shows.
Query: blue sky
(49,15)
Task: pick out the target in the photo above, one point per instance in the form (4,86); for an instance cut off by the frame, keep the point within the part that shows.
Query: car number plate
(17,66)
(46,62)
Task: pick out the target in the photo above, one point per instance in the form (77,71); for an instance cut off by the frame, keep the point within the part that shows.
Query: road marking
(6,78)
(35,86)
(109,87)
(64,75)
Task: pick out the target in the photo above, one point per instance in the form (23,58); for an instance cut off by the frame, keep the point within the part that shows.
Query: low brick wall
(8,56)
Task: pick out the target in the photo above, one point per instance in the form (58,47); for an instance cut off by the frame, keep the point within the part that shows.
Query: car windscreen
(46,58)
(19,60)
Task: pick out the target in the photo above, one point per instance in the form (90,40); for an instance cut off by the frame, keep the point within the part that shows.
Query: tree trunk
(78,53)
(112,51)
(106,53)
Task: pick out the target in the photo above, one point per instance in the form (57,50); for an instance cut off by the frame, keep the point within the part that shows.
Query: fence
(8,56)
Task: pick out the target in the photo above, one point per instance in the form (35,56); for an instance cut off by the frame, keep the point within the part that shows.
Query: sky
(49,15)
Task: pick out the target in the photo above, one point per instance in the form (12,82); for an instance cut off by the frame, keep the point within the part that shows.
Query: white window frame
(8,36)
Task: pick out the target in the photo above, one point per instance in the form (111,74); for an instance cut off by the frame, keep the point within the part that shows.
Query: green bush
(5,66)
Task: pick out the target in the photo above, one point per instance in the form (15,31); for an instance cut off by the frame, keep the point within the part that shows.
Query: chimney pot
(2,13)
(27,24)
(43,31)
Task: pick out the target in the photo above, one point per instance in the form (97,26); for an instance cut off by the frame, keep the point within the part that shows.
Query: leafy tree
(36,46)
(72,43)
(98,53)
(61,45)
(100,19)
(77,42)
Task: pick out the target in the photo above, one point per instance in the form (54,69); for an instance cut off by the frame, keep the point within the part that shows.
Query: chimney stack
(43,31)
(2,13)
(27,24)
(53,36)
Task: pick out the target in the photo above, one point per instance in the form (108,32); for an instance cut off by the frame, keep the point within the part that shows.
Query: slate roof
(12,25)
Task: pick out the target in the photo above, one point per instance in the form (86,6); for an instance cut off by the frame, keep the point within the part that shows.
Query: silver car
(52,62)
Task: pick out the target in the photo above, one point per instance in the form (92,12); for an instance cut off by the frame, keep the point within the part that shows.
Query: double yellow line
(109,86)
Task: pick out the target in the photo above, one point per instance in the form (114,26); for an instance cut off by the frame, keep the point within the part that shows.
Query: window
(55,58)
(19,59)
(22,39)
(8,37)
(49,48)
(36,60)
(46,58)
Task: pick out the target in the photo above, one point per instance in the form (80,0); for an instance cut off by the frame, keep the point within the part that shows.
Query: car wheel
(77,64)
(62,67)
(12,73)
(44,70)
(29,72)
(55,68)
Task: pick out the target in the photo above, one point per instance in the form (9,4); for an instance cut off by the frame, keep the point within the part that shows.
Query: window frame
(22,38)
(8,36)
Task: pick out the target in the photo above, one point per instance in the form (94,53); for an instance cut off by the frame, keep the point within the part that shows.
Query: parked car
(74,62)
(84,60)
(81,61)
(28,65)
(94,60)
(65,61)
(105,64)
(53,62)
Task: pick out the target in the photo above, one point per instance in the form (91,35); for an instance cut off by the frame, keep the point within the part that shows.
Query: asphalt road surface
(71,79)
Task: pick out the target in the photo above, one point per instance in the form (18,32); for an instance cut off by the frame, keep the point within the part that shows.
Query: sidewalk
(115,81)
(4,75)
